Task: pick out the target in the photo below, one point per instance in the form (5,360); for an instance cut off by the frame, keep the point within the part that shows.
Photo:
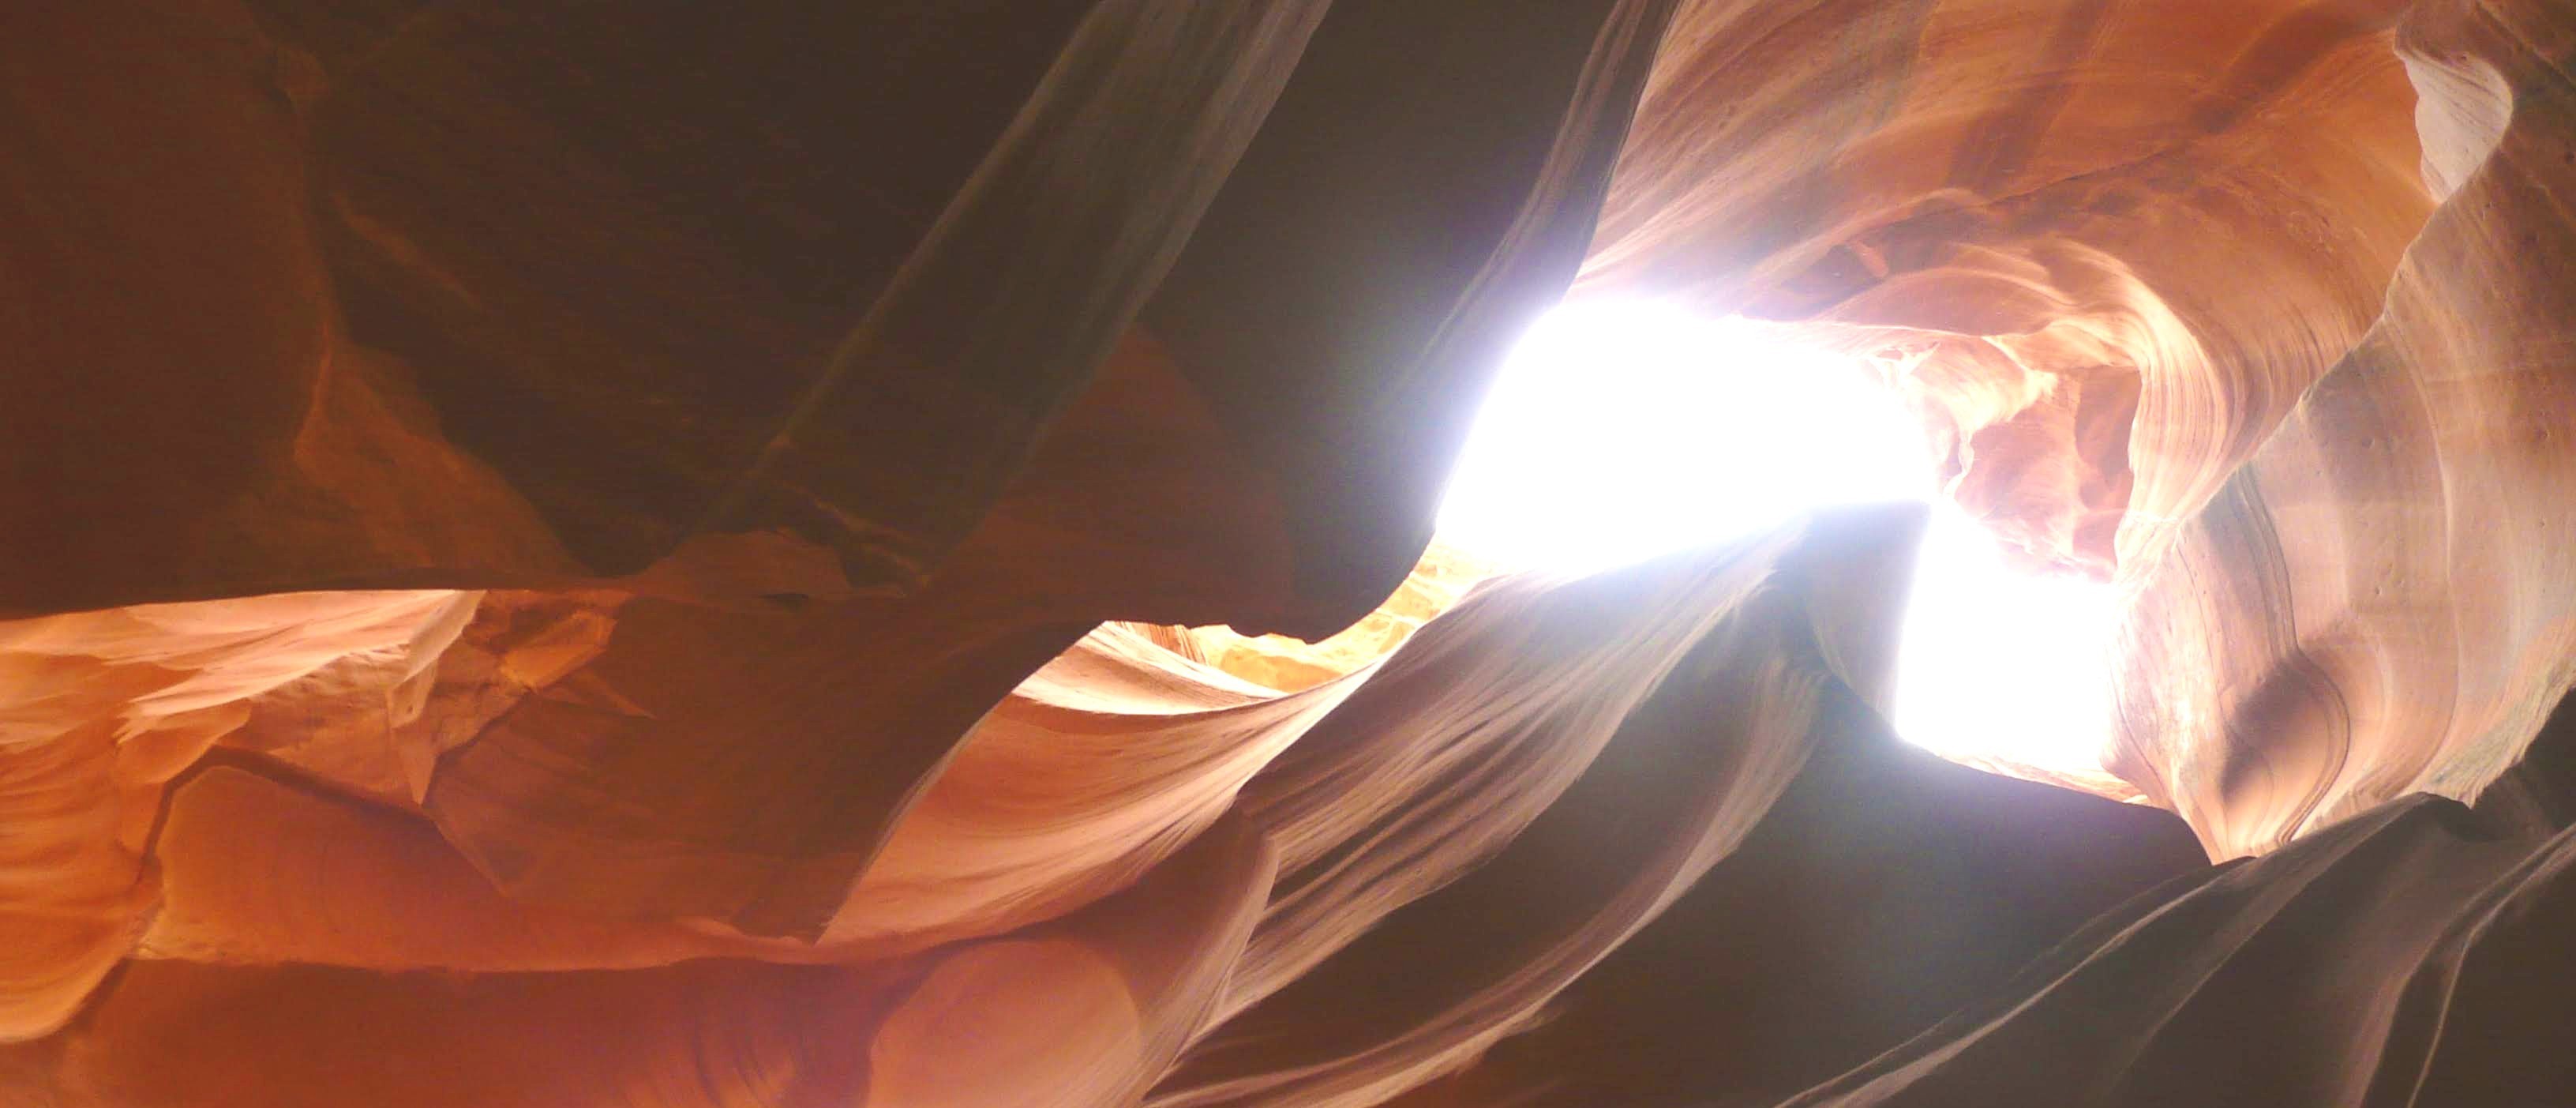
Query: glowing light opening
(1618,431)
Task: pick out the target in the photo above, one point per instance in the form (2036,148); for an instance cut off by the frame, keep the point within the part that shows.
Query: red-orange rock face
(569,554)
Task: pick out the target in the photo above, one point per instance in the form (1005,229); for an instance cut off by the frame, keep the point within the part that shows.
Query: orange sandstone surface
(879,554)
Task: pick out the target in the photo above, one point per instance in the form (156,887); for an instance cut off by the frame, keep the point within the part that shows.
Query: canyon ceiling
(565,552)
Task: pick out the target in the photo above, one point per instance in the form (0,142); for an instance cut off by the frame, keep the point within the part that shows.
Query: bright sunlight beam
(1618,431)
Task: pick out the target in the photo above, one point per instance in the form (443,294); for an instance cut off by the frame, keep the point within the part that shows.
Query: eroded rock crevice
(573,554)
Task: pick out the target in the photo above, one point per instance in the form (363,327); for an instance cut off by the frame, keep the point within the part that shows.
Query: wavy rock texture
(2102,247)
(570,554)
(1275,851)
(2251,308)
(2379,597)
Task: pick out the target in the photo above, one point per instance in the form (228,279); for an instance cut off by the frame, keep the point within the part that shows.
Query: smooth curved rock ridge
(1758,661)
(284,894)
(2430,1000)
(2376,603)
(1103,764)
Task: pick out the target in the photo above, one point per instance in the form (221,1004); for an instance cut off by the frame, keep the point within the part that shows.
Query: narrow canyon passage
(1617,431)
(1287,554)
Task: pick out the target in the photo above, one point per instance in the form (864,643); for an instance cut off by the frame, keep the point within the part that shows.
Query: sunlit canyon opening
(564,554)
(1619,430)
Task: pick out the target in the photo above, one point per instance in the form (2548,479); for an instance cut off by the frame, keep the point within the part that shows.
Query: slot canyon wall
(580,553)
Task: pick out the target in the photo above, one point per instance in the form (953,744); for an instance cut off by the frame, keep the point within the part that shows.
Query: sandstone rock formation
(601,554)
(1284,662)
(2245,306)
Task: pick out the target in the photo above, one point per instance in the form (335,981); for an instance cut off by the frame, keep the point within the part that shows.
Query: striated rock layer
(1550,767)
(573,554)
(2253,308)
